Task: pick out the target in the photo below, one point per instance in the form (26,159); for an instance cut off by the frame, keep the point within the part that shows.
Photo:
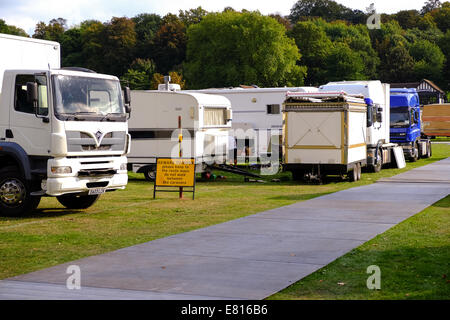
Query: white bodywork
(380,95)
(54,138)
(251,119)
(154,127)
(321,133)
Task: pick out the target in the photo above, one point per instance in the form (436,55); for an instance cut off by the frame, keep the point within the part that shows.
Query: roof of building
(417,85)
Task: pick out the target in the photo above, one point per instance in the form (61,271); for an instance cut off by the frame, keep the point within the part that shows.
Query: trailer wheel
(150,175)
(359,171)
(428,154)
(75,201)
(353,174)
(15,197)
(379,161)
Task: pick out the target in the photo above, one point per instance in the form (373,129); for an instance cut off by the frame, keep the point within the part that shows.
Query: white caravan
(205,122)
(337,130)
(257,117)
(63,132)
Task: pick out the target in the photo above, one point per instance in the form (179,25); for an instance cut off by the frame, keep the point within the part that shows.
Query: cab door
(30,126)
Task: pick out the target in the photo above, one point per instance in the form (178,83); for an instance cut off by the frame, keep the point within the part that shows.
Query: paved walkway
(247,258)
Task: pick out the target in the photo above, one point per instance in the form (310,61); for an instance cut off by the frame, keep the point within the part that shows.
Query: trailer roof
(201,98)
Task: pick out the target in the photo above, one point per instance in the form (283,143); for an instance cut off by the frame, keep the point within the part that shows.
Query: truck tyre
(353,174)
(150,175)
(15,197)
(428,154)
(359,171)
(415,153)
(379,162)
(75,201)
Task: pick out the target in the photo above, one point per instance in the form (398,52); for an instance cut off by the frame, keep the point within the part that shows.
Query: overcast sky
(26,13)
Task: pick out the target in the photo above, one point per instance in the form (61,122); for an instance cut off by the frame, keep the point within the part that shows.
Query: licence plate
(96,191)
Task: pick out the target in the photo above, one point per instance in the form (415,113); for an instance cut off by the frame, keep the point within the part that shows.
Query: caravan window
(273,109)
(215,116)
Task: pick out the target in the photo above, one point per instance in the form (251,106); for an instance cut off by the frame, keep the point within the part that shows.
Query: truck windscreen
(400,117)
(84,98)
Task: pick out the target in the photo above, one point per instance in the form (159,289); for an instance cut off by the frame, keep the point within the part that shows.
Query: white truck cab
(63,132)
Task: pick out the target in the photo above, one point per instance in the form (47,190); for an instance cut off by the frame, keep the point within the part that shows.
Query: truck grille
(82,141)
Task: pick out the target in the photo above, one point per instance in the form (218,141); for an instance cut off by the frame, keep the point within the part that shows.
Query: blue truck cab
(406,124)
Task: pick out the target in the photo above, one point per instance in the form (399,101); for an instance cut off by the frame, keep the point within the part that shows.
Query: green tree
(328,10)
(315,47)
(118,44)
(54,31)
(442,16)
(140,74)
(444,44)
(344,64)
(397,65)
(232,48)
(169,45)
(430,5)
(146,26)
(429,60)
(7,29)
(192,16)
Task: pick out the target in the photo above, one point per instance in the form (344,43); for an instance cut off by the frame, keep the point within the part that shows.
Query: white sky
(26,13)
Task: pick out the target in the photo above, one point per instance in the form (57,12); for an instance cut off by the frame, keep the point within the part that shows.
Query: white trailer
(205,121)
(257,117)
(63,132)
(337,130)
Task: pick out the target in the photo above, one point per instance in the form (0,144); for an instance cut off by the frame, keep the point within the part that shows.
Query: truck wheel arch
(14,154)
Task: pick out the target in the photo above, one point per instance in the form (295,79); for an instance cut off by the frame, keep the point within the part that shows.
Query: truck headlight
(123,167)
(61,170)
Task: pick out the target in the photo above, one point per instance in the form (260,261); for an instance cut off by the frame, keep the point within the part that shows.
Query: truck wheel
(359,171)
(75,201)
(150,175)
(428,154)
(415,153)
(379,162)
(15,197)
(353,174)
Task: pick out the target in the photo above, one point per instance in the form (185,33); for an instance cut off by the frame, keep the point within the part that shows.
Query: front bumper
(87,173)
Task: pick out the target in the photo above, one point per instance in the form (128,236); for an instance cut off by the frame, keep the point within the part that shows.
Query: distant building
(429,92)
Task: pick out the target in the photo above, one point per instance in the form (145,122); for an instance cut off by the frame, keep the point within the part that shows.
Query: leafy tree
(397,65)
(140,74)
(175,77)
(344,64)
(444,44)
(430,5)
(118,44)
(53,31)
(315,47)
(7,29)
(442,16)
(282,20)
(328,10)
(169,45)
(146,26)
(192,16)
(232,48)
(429,60)
(91,37)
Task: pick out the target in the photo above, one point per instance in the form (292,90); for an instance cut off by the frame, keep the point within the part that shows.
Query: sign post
(178,173)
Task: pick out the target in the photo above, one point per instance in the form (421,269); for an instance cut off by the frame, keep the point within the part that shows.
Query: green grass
(414,259)
(53,235)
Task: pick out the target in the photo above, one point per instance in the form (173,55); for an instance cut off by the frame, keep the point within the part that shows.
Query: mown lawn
(53,235)
(413,257)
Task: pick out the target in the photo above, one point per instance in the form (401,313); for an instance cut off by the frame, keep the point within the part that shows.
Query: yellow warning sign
(175,172)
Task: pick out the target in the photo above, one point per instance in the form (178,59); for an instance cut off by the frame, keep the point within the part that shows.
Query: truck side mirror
(416,116)
(32,92)
(369,116)
(379,117)
(127,95)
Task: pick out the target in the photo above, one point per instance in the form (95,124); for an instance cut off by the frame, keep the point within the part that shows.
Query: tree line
(319,41)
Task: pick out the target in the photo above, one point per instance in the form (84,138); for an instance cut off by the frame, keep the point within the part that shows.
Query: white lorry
(205,122)
(338,130)
(63,132)
(257,117)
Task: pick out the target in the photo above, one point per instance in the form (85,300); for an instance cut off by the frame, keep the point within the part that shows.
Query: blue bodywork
(405,116)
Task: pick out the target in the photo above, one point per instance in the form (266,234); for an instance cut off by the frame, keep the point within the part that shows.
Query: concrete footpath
(247,258)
